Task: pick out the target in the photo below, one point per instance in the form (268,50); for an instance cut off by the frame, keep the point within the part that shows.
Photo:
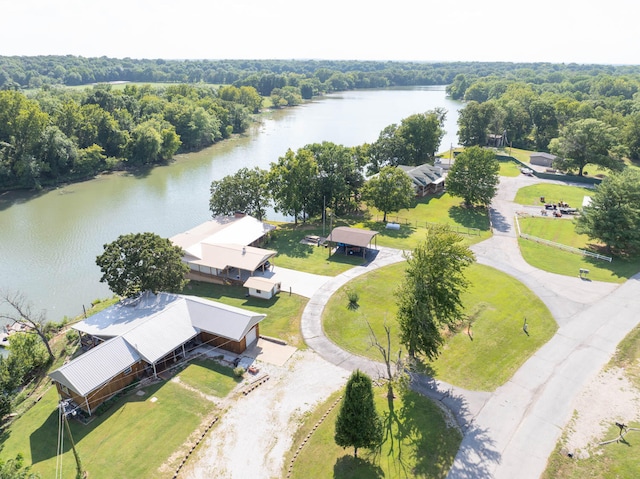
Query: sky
(558,31)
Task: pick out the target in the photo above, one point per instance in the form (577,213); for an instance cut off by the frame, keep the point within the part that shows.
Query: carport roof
(352,236)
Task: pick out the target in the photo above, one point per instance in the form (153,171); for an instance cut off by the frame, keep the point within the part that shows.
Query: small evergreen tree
(358,424)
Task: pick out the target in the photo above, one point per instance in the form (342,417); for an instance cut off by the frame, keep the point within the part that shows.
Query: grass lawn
(293,254)
(615,460)
(555,260)
(199,373)
(443,209)
(133,439)
(283,311)
(553,193)
(418,443)
(510,168)
(495,304)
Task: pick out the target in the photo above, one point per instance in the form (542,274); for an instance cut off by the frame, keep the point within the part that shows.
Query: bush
(238,372)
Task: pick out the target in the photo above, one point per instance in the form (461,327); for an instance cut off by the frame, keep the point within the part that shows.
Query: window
(258,291)
(127,371)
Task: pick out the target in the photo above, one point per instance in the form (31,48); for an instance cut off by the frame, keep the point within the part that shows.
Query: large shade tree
(474,176)
(429,297)
(586,141)
(358,424)
(291,180)
(139,262)
(613,216)
(388,191)
(246,191)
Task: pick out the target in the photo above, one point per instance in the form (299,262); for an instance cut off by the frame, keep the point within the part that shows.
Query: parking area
(297,282)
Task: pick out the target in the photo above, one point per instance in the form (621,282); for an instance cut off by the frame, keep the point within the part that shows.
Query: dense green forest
(50,133)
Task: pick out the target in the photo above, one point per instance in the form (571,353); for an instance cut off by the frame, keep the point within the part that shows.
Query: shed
(352,240)
(260,287)
(542,159)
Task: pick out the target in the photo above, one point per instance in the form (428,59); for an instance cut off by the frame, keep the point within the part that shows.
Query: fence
(570,249)
(419,224)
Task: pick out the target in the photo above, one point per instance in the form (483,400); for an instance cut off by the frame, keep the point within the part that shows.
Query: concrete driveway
(297,282)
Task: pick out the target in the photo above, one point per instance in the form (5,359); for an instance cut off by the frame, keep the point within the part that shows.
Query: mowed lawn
(133,439)
(496,305)
(559,261)
(283,311)
(472,223)
(553,193)
(418,443)
(294,254)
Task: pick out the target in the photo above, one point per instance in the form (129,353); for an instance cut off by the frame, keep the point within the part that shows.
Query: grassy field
(552,193)
(418,443)
(495,305)
(510,168)
(283,311)
(615,460)
(293,254)
(199,372)
(555,260)
(133,439)
(443,209)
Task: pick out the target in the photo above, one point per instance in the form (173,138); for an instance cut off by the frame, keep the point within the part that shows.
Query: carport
(353,240)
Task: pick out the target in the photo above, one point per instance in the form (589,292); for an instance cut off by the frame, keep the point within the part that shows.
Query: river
(49,241)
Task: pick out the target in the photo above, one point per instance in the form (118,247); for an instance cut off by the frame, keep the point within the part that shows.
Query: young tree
(358,424)
(138,262)
(586,141)
(245,191)
(22,314)
(613,216)
(390,190)
(429,297)
(474,176)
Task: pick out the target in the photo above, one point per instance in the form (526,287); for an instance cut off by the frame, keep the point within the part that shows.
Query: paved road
(512,431)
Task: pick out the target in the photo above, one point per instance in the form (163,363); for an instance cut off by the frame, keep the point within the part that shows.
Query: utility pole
(79,472)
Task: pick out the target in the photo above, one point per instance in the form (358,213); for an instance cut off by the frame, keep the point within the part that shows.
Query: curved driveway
(512,431)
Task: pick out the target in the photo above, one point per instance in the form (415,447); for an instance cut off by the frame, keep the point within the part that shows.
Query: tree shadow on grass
(477,454)
(474,217)
(349,467)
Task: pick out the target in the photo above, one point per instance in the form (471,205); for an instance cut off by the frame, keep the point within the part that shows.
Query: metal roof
(223,229)
(148,328)
(260,282)
(352,236)
(221,256)
(97,366)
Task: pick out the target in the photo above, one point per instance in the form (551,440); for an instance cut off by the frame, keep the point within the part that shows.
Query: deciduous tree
(429,297)
(586,141)
(613,216)
(139,262)
(246,191)
(390,190)
(20,312)
(474,176)
(358,424)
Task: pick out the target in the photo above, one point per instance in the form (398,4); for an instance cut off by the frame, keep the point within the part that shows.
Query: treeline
(545,105)
(311,76)
(60,134)
(324,175)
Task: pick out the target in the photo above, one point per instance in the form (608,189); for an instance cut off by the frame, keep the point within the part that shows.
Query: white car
(526,171)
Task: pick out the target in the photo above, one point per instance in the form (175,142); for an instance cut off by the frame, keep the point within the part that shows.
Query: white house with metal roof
(225,249)
(142,336)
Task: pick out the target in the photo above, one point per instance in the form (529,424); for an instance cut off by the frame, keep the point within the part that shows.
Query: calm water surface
(49,242)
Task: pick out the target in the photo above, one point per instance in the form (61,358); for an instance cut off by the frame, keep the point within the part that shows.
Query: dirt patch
(609,398)
(256,430)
